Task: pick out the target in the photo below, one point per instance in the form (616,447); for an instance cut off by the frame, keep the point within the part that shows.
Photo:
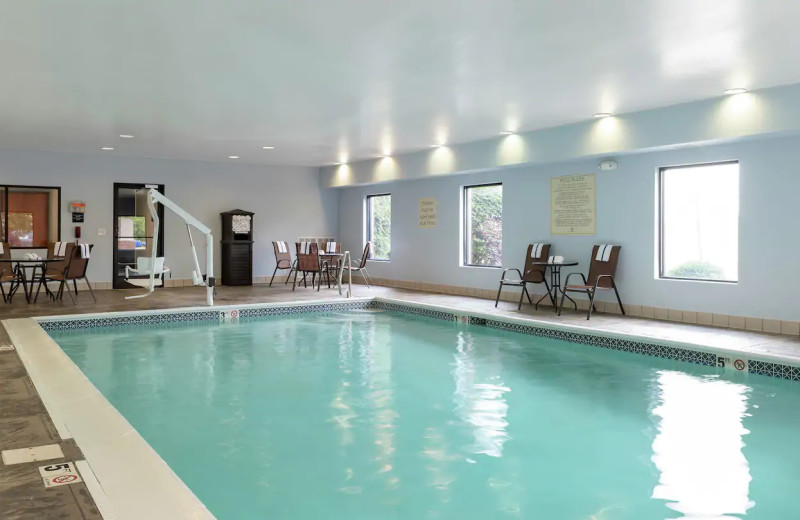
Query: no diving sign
(737,364)
(59,474)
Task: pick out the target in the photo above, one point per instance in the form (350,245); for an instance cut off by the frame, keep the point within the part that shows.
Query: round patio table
(555,281)
(19,267)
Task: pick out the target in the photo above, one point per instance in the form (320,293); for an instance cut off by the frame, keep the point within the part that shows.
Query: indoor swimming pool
(370,413)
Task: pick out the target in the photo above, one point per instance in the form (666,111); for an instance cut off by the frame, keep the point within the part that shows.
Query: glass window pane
(700,222)
(379,226)
(483,225)
(32,216)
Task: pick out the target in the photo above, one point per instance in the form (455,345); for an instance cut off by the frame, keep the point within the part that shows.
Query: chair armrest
(503,277)
(570,275)
(597,280)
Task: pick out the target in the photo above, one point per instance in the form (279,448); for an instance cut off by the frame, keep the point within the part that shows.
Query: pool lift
(153,197)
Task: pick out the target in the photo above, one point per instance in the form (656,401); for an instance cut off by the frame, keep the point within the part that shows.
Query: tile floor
(24,421)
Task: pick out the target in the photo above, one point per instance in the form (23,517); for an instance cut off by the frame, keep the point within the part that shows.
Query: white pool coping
(131,481)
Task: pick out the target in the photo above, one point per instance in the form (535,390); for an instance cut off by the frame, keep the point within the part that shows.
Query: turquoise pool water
(378,415)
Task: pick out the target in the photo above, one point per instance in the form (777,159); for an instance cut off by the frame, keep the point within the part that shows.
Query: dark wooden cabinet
(237,247)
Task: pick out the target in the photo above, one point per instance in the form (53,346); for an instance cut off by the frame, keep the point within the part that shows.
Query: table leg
(24,279)
(557,288)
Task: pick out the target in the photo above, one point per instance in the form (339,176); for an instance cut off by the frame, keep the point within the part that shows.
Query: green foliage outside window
(380,209)
(697,270)
(485,206)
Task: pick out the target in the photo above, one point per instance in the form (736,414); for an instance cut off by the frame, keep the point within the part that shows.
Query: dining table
(19,268)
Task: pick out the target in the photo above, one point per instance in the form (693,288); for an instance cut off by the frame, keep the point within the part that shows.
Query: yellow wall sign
(573,205)
(427,213)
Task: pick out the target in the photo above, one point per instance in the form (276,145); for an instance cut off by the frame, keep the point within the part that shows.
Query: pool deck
(24,422)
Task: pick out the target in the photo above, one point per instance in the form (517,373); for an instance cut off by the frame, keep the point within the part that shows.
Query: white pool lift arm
(153,197)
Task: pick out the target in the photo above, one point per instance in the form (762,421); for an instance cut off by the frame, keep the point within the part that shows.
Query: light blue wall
(769,227)
(288,201)
(757,113)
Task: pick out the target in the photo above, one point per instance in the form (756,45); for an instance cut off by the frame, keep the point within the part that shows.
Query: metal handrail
(346,262)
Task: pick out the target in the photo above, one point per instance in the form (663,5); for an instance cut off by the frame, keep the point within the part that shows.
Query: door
(134,228)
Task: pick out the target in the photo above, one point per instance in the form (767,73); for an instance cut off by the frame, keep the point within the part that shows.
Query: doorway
(133,228)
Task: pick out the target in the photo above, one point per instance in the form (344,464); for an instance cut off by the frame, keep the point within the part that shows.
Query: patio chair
(7,273)
(361,267)
(602,268)
(307,262)
(532,274)
(331,265)
(283,260)
(77,263)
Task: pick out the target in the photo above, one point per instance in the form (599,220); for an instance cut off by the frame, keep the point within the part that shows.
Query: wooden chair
(283,260)
(307,262)
(602,269)
(361,267)
(531,274)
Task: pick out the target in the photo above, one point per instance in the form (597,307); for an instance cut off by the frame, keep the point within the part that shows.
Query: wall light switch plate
(101,231)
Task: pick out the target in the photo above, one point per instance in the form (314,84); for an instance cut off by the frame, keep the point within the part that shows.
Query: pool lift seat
(155,264)
(144,266)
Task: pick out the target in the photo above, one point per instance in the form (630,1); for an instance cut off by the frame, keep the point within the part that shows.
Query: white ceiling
(319,79)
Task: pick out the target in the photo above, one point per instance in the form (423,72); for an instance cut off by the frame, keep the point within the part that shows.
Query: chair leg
(619,301)
(561,307)
(498,295)
(92,292)
(550,294)
(294,283)
(366,276)
(4,293)
(69,293)
(521,296)
(273,275)
(591,303)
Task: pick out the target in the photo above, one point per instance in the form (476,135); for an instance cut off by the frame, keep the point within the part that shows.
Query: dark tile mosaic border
(625,345)
(320,307)
(417,311)
(139,319)
(637,347)
(765,368)
(210,315)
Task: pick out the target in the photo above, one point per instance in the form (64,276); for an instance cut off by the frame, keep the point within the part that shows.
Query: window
(483,225)
(29,215)
(379,226)
(699,237)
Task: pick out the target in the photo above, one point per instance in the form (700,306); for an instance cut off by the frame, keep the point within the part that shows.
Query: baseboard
(789,328)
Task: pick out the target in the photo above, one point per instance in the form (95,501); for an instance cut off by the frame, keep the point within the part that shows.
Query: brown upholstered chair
(361,267)
(307,262)
(55,267)
(530,274)
(331,265)
(602,269)
(283,260)
(7,273)
(75,270)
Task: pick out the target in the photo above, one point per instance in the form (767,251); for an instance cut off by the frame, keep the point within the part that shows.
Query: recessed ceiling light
(268,147)
(107,148)
(506,132)
(233,157)
(601,115)
(733,91)
(436,145)
(126,136)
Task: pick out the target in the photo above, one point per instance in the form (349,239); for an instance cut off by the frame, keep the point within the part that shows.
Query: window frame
(368,225)
(4,232)
(465,226)
(660,215)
